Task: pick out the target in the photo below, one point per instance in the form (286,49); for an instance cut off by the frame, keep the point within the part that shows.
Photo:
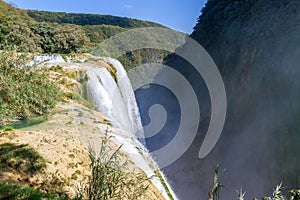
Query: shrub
(24,90)
(110,179)
(13,191)
(8,128)
(214,194)
(21,158)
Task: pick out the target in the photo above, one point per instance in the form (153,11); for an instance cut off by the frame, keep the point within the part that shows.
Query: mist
(258,57)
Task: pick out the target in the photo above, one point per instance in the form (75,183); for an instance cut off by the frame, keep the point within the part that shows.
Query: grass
(162,180)
(241,194)
(21,158)
(8,128)
(55,68)
(113,73)
(110,178)
(214,194)
(14,191)
(24,91)
(77,97)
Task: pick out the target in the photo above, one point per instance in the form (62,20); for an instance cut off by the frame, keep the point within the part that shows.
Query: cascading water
(47,59)
(96,92)
(115,98)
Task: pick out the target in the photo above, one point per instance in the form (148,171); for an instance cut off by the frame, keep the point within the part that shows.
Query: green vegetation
(215,192)
(78,98)
(113,73)
(24,91)
(98,33)
(89,19)
(162,180)
(110,178)
(58,38)
(138,57)
(25,161)
(21,158)
(24,192)
(8,128)
(57,32)
(241,194)
(20,32)
(65,33)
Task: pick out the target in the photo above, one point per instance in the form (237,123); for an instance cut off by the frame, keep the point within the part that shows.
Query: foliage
(69,38)
(51,34)
(214,194)
(241,194)
(54,38)
(8,128)
(276,194)
(15,13)
(57,32)
(138,57)
(88,19)
(21,158)
(25,161)
(16,35)
(98,33)
(295,194)
(162,180)
(110,179)
(24,90)
(24,192)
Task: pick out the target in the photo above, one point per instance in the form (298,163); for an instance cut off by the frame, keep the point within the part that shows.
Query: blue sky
(177,14)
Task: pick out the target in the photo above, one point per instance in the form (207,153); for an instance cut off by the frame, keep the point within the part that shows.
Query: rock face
(256,46)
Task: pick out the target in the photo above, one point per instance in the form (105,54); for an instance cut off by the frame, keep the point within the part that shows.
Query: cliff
(255,45)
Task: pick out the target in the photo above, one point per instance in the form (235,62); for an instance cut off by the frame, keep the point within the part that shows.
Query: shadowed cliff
(256,46)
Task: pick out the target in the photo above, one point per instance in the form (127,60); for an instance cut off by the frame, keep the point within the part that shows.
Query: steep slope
(256,47)
(14,13)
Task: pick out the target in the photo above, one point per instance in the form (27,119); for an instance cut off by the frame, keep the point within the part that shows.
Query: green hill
(57,32)
(88,19)
(13,13)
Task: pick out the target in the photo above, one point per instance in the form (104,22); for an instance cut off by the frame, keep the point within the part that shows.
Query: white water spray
(115,98)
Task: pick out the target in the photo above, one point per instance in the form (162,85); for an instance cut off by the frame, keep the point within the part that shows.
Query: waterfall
(114,98)
(47,59)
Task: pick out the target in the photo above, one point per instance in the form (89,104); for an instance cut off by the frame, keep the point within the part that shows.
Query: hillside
(13,13)
(66,33)
(89,19)
(256,46)
(54,32)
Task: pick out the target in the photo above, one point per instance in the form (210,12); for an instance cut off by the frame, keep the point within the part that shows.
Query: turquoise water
(26,122)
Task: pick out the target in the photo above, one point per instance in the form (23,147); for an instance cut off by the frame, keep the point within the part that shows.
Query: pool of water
(26,122)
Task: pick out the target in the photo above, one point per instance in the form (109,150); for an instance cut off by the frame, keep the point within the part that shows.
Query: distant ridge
(89,19)
(59,32)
